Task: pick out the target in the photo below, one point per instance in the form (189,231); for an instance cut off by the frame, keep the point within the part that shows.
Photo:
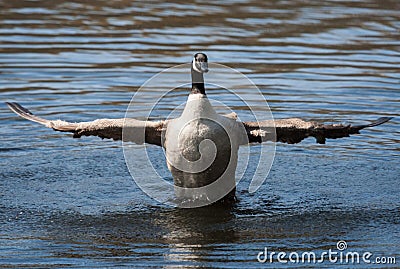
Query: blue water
(72,203)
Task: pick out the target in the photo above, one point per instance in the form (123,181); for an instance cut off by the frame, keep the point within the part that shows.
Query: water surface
(72,203)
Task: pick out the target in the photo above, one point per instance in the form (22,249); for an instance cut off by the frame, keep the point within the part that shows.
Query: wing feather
(117,129)
(295,130)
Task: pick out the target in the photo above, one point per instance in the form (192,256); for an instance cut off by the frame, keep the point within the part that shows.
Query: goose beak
(203,67)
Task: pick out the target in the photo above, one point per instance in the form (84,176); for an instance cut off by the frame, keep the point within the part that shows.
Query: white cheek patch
(195,67)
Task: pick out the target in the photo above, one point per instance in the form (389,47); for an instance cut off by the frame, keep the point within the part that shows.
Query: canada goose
(201,146)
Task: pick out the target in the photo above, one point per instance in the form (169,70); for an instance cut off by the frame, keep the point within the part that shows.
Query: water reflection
(170,236)
(193,238)
(192,234)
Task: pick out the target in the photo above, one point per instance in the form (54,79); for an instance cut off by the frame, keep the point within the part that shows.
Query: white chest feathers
(201,145)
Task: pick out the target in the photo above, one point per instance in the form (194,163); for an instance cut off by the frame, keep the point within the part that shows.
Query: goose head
(200,63)
(198,68)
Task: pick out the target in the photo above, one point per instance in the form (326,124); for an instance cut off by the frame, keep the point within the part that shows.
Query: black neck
(197,82)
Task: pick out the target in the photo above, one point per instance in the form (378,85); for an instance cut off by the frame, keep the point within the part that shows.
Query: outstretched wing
(294,130)
(134,130)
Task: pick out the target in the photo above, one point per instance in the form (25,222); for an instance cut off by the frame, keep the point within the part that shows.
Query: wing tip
(380,121)
(385,119)
(17,108)
(25,113)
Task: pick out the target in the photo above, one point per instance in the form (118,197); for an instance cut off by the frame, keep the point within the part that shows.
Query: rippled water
(72,203)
